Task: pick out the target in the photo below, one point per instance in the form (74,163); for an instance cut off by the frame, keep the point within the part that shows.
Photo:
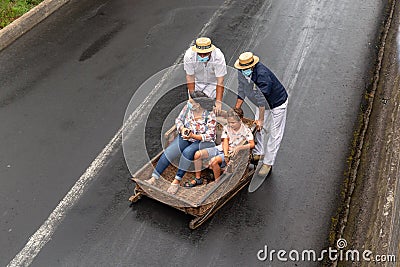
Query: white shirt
(236,138)
(205,73)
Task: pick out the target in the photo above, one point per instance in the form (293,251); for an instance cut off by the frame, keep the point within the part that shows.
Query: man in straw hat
(263,89)
(205,70)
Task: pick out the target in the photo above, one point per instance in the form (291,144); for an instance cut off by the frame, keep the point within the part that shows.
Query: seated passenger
(196,127)
(234,137)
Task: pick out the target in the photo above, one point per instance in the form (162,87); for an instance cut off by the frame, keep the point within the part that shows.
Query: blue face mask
(202,59)
(247,72)
(189,105)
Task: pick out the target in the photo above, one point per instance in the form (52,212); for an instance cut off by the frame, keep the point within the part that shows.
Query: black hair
(204,101)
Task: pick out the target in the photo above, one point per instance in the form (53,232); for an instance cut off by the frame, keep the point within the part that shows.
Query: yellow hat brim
(238,66)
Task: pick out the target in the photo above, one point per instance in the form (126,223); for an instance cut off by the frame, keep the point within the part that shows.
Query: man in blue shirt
(264,90)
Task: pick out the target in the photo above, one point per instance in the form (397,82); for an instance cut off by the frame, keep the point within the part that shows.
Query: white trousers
(270,137)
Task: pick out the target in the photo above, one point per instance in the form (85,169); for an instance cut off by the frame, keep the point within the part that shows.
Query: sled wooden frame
(201,201)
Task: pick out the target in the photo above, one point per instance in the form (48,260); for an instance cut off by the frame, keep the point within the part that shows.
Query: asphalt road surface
(65,86)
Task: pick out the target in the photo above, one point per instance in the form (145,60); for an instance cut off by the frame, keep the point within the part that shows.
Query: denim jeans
(183,148)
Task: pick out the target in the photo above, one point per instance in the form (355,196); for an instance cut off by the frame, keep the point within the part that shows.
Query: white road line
(303,46)
(45,232)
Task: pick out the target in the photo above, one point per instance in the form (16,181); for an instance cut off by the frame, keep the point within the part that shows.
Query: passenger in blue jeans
(196,127)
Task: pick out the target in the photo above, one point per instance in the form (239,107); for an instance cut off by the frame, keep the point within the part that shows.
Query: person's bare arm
(219,95)
(220,88)
(260,121)
(225,147)
(190,83)
(239,103)
(248,146)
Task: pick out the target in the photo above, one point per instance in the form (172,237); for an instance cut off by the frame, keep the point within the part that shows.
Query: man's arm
(260,121)
(240,95)
(190,83)
(220,88)
(239,103)
(219,94)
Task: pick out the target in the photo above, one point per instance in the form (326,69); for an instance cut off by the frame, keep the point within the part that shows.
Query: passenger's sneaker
(173,188)
(265,170)
(151,181)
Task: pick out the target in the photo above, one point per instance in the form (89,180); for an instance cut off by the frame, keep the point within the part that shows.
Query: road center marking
(43,235)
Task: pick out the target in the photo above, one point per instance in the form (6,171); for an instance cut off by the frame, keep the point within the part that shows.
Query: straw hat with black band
(203,45)
(246,60)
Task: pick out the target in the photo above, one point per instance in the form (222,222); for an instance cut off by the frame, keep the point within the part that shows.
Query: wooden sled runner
(203,200)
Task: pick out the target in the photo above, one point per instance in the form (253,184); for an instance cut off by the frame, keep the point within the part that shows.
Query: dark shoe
(209,176)
(254,158)
(192,183)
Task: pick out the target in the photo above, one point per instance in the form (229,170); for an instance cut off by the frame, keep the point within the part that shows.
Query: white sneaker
(151,181)
(173,188)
